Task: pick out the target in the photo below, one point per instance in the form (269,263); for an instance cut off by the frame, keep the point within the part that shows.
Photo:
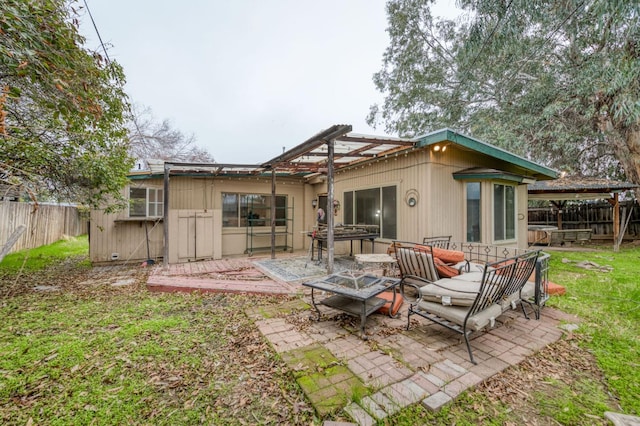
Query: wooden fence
(595,216)
(45,225)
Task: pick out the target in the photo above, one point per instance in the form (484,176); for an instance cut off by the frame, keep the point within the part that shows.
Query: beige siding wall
(522,216)
(113,234)
(191,193)
(441,207)
(125,240)
(439,210)
(113,238)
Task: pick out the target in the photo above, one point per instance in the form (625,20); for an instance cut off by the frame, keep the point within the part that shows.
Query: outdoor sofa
(488,282)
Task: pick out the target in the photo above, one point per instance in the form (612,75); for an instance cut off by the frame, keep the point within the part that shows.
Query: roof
(310,158)
(527,167)
(577,188)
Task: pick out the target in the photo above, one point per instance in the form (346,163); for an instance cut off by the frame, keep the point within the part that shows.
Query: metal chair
(439,242)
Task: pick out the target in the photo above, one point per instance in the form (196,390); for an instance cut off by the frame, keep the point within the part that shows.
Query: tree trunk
(632,163)
(626,146)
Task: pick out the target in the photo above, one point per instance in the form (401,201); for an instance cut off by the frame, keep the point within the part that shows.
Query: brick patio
(427,364)
(373,379)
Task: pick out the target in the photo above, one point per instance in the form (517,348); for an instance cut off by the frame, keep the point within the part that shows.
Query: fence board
(45,225)
(595,216)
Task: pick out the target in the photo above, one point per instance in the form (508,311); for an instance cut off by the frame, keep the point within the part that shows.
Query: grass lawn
(93,353)
(607,297)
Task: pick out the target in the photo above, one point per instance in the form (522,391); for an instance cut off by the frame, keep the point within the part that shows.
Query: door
(194,236)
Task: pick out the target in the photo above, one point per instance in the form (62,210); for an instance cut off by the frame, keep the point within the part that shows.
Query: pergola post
(273,213)
(165,214)
(330,198)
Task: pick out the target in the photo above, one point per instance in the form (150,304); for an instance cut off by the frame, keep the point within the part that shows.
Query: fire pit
(354,293)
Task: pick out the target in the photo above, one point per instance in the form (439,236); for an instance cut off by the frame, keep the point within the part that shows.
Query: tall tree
(556,81)
(151,139)
(62,107)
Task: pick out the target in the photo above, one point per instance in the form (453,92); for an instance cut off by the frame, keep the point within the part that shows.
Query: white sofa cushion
(451,292)
(470,276)
(457,314)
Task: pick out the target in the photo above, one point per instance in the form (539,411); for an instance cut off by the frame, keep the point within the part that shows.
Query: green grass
(123,355)
(609,305)
(36,259)
(127,356)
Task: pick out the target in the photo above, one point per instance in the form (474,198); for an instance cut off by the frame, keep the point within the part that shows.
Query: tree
(150,139)
(555,81)
(62,107)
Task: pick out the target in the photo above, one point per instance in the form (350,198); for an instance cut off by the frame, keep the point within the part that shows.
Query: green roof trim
(233,175)
(448,135)
(488,175)
(147,176)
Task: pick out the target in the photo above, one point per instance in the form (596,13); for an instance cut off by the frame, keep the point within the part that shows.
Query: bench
(471,301)
(567,236)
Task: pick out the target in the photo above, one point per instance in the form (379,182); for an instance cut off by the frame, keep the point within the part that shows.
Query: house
(440,183)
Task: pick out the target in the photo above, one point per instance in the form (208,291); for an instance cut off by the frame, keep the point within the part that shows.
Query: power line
(104,49)
(509,82)
(546,40)
(95,27)
(490,36)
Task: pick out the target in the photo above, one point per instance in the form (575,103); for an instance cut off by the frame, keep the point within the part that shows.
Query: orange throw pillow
(502,264)
(388,295)
(447,256)
(444,270)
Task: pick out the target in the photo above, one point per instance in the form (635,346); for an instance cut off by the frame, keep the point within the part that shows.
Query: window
(239,210)
(375,206)
(504,212)
(146,202)
(473,212)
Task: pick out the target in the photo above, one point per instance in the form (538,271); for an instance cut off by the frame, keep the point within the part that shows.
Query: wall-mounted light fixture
(440,148)
(314,203)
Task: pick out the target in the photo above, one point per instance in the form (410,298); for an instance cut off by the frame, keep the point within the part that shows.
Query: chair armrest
(412,299)
(466,267)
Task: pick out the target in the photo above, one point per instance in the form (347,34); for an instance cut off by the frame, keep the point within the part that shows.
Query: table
(378,260)
(343,235)
(540,234)
(353,293)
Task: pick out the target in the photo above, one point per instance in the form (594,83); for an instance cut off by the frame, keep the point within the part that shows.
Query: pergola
(322,154)
(576,188)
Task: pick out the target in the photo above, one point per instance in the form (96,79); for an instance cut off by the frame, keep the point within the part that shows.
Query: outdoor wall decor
(411,197)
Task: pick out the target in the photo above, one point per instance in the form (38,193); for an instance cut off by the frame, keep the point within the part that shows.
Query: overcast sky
(248,77)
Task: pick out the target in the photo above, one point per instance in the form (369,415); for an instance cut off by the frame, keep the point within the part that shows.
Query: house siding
(112,233)
(441,207)
(425,172)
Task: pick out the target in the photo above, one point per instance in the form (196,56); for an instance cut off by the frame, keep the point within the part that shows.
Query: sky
(248,78)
